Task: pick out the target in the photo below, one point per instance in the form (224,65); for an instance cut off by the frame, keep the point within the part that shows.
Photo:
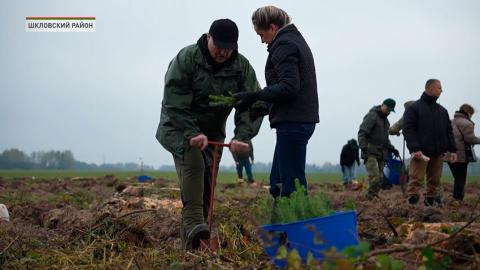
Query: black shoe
(413,199)
(194,237)
(428,201)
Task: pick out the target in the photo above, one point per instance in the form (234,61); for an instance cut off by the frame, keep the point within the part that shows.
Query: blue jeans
(289,157)
(349,173)
(248,168)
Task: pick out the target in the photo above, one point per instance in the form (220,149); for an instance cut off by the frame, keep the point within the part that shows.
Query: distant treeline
(58,160)
(16,159)
(64,160)
(266,167)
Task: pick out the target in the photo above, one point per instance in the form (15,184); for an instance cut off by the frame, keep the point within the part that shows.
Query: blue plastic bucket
(393,170)
(143,178)
(314,235)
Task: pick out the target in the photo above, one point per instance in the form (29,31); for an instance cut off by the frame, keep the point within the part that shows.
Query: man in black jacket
(429,136)
(348,156)
(292,92)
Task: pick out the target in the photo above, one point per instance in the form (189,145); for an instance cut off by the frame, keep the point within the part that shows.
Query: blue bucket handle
(389,164)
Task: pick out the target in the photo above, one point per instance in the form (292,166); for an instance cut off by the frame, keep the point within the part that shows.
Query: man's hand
(245,100)
(453,157)
(239,147)
(199,141)
(418,154)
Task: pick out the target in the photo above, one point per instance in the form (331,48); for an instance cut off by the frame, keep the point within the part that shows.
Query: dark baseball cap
(390,103)
(224,33)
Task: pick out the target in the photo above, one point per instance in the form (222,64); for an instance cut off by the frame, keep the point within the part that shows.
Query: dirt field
(104,223)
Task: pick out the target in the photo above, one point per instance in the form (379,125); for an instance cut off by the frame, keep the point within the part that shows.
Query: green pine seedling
(221,100)
(298,206)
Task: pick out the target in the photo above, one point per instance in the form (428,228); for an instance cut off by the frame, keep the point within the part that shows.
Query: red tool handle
(403,177)
(219,143)
(212,178)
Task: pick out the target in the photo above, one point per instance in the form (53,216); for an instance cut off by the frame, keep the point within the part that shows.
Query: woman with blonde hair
(291,92)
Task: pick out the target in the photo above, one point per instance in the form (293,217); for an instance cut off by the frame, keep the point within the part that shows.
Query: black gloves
(395,152)
(259,109)
(245,100)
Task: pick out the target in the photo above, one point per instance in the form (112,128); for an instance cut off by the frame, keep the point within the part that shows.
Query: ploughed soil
(105,223)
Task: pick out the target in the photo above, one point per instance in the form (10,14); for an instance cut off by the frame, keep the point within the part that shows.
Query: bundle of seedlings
(222,100)
(298,206)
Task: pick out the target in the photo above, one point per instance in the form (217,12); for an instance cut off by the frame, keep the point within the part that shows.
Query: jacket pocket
(172,140)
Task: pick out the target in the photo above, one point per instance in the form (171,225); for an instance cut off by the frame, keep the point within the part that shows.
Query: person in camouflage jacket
(375,144)
(190,117)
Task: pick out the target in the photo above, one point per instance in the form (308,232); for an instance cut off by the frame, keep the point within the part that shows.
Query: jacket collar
(427,98)
(378,109)
(287,28)
(460,114)
(463,115)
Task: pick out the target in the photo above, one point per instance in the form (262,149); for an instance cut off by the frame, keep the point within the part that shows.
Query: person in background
(375,144)
(246,159)
(292,93)
(395,129)
(428,132)
(397,126)
(189,119)
(348,157)
(463,132)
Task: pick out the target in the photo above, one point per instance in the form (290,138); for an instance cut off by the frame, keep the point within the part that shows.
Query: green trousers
(194,175)
(374,169)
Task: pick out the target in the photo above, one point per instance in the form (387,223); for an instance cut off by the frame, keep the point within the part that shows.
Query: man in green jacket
(375,145)
(197,100)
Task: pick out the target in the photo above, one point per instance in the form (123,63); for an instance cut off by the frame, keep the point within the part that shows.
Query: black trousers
(459,172)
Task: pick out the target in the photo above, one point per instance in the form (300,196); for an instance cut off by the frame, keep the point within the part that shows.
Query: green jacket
(373,134)
(185,113)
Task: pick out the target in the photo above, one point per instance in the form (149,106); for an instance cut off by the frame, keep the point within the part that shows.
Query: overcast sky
(99,94)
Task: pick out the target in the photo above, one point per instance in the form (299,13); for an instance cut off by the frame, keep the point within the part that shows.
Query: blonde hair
(264,16)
